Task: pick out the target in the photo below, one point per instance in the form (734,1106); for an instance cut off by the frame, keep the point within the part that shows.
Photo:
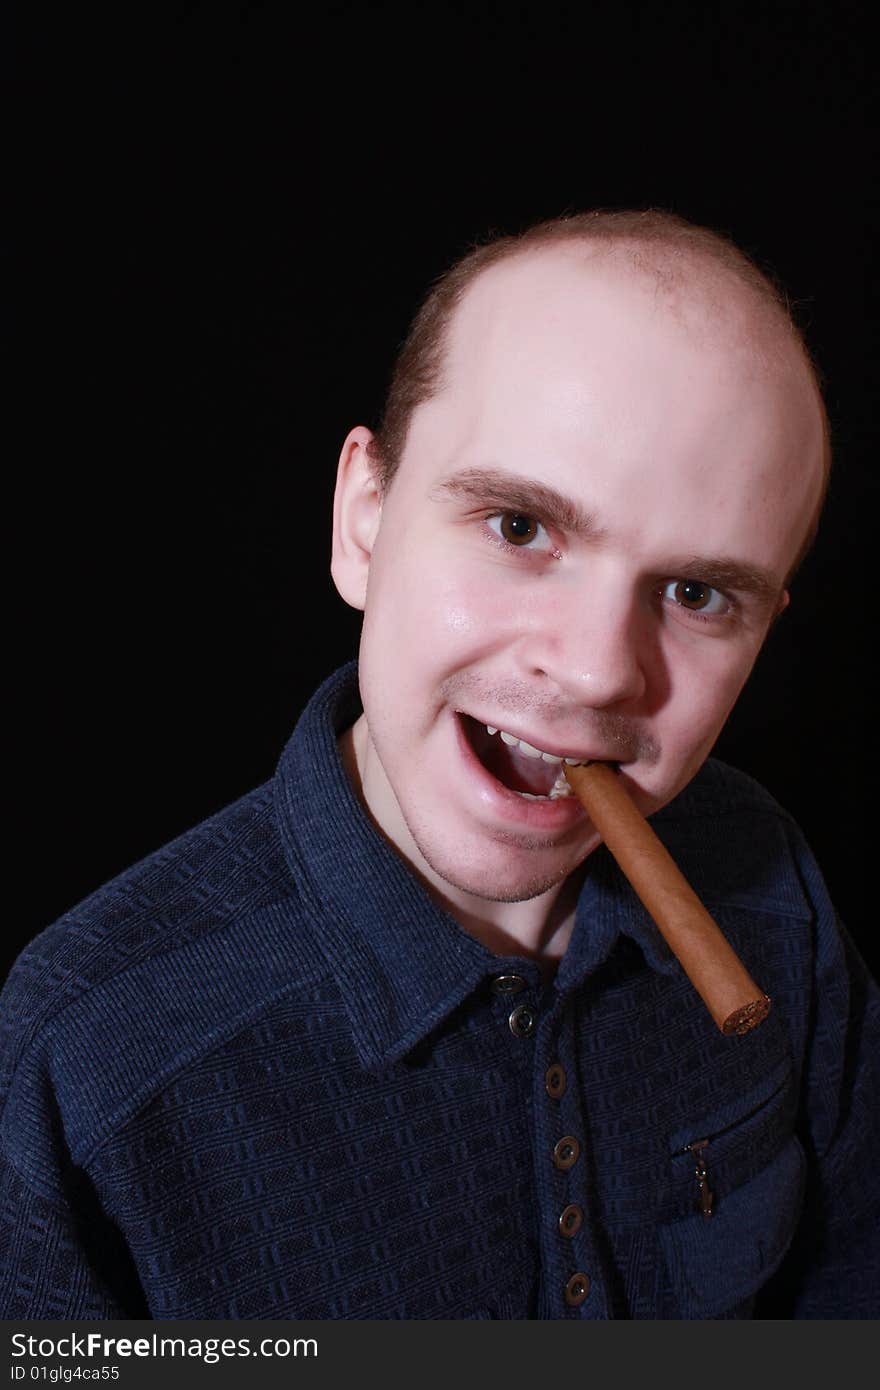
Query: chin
(504,872)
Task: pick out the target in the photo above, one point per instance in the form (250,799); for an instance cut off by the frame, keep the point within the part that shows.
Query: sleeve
(57,1262)
(833,1267)
(60,1256)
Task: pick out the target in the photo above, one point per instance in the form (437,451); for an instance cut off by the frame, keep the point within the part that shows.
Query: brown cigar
(712,966)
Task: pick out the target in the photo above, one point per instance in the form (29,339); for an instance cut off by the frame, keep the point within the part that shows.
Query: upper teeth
(532,752)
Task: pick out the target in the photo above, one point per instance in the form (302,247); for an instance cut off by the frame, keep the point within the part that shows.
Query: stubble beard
(532,886)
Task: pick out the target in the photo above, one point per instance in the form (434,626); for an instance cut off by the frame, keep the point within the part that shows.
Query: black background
(228,216)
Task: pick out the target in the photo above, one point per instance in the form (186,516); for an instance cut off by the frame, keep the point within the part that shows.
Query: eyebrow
(494,487)
(726,574)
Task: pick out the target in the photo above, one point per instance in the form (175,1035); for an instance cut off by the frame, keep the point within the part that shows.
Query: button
(508,984)
(565,1153)
(571,1221)
(522,1021)
(554,1080)
(576,1289)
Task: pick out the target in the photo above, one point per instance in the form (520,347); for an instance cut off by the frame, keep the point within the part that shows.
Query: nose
(591,643)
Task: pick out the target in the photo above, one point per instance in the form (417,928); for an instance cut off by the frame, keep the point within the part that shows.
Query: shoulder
(152,971)
(739,843)
(217,870)
(724,790)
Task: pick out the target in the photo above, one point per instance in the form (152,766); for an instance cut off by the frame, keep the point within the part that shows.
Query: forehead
(575,366)
(552,305)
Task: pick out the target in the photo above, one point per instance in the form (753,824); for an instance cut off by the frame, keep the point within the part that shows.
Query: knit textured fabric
(263,1075)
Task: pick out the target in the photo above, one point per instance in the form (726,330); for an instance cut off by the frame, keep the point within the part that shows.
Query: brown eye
(696,597)
(518,529)
(521,530)
(692,594)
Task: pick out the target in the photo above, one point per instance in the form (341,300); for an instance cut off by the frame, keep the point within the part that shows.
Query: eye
(516,528)
(696,596)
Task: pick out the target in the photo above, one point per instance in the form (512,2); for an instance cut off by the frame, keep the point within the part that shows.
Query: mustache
(607,727)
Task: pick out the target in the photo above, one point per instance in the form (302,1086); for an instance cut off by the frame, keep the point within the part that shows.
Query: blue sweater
(263,1075)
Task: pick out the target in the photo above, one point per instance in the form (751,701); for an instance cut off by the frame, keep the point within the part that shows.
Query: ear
(357,511)
(784,601)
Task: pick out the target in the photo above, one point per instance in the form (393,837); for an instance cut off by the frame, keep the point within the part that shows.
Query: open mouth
(532,774)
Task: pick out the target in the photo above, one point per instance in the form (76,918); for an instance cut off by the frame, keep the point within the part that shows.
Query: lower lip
(558,815)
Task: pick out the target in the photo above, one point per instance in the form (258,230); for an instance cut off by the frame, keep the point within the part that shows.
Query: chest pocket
(748,1171)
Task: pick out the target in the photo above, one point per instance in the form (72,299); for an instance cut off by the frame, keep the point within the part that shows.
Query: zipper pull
(707,1196)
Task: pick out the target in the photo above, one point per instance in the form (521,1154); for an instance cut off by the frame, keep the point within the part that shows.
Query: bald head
(716,293)
(565,353)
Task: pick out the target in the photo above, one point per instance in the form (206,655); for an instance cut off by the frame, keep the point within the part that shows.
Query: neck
(539,928)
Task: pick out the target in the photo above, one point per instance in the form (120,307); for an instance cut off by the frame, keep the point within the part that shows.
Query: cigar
(707,958)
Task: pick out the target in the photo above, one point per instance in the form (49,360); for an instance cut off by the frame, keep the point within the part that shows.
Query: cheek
(434,606)
(465,608)
(458,621)
(703,693)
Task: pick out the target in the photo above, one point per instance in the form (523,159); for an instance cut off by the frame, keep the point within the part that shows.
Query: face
(583,548)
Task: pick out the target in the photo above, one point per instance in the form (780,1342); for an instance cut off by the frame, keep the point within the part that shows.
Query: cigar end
(748,1017)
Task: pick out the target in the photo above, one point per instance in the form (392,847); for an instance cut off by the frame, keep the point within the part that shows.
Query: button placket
(568,1239)
(571,1273)
(566,1153)
(508,988)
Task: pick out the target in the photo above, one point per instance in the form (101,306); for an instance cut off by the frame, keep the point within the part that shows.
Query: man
(392,1036)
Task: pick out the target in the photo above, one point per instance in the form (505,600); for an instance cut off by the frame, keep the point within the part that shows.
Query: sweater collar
(401,962)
